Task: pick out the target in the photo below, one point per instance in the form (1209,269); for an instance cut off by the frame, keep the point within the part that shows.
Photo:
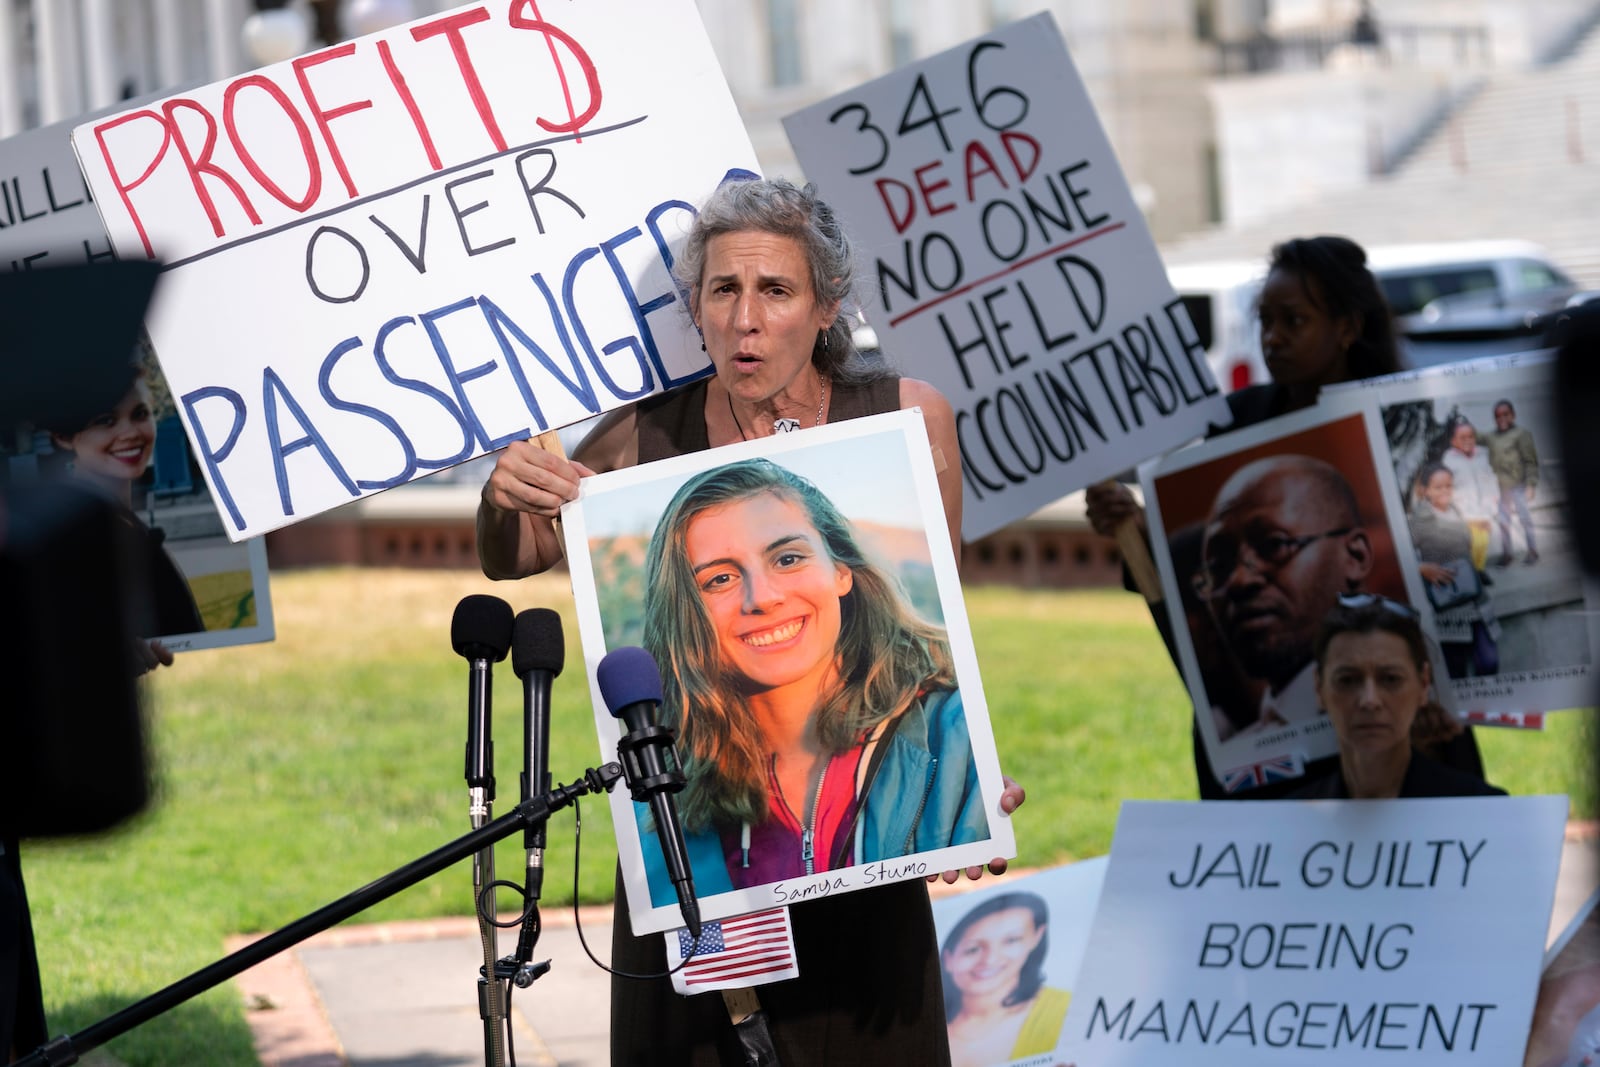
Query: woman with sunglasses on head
(1374,679)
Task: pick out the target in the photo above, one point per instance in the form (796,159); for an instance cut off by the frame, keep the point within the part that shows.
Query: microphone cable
(484,906)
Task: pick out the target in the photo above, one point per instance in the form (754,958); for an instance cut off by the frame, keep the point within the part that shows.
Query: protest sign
(1010,953)
(1319,932)
(1012,268)
(46,216)
(389,256)
(1303,499)
(47,220)
(765,578)
(1477,468)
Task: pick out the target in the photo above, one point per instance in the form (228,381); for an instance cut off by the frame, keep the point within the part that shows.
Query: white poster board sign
(395,254)
(1488,532)
(47,220)
(914,777)
(1308,485)
(46,216)
(1015,271)
(1291,933)
(1010,952)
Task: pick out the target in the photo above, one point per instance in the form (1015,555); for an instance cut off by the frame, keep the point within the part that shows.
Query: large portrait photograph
(801,599)
(1257,535)
(1480,481)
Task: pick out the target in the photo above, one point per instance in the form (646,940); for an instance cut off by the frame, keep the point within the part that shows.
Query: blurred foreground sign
(397,253)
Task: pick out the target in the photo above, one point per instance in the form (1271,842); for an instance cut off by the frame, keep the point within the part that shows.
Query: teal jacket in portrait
(921,795)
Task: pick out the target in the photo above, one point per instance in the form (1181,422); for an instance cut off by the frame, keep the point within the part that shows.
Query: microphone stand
(63,1051)
(480,810)
(491,991)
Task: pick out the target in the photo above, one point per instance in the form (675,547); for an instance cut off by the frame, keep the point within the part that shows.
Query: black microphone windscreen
(627,676)
(537,643)
(481,627)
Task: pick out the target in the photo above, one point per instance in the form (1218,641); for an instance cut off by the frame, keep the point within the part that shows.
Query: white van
(1422,282)
(1432,279)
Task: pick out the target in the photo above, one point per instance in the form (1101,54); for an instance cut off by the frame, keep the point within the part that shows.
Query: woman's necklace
(781,424)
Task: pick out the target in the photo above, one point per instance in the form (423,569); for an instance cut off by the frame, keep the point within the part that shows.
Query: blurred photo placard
(1299,933)
(1256,535)
(1478,476)
(196,588)
(1010,953)
(394,254)
(1015,270)
(805,612)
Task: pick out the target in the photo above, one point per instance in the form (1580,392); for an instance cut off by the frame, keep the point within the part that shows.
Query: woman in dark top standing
(769,271)
(1323,321)
(1373,680)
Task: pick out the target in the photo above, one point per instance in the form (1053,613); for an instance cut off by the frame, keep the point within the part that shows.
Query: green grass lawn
(292,773)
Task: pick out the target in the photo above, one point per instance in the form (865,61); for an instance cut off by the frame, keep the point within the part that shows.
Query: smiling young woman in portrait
(820,726)
(108,455)
(996,1003)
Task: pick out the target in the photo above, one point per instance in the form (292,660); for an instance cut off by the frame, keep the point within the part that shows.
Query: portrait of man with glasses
(1284,539)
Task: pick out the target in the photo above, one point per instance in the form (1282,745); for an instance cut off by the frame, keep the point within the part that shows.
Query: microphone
(480,631)
(537,652)
(630,684)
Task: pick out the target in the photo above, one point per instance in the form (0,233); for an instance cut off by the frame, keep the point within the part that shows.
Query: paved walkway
(404,994)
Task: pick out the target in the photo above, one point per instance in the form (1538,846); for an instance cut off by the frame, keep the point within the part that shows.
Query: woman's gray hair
(778,206)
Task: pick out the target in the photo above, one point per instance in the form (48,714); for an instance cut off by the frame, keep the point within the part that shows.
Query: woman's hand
(1011,799)
(529,479)
(1435,573)
(1108,505)
(520,505)
(148,655)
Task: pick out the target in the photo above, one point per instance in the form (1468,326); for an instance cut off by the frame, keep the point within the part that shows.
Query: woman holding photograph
(1324,321)
(108,454)
(769,273)
(819,723)
(1373,680)
(996,1003)
(1462,612)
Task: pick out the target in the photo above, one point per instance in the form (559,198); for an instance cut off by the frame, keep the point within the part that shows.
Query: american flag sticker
(746,950)
(1520,720)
